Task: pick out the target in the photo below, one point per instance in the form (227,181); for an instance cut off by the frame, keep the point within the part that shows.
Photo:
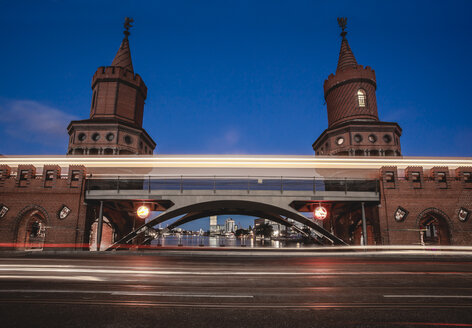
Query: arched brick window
(434,227)
(361,98)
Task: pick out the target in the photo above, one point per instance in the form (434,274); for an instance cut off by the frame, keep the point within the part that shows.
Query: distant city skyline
(237,77)
(241,221)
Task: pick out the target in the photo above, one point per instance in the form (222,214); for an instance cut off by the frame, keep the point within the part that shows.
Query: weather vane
(127,25)
(342,22)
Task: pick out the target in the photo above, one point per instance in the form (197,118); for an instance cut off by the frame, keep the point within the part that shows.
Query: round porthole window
(81,137)
(372,138)
(387,138)
(96,137)
(128,140)
(110,136)
(340,141)
(357,138)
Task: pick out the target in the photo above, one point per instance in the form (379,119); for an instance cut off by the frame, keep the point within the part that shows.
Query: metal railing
(222,183)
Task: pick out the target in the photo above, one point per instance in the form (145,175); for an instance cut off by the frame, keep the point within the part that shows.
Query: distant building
(213,224)
(229,225)
(276,228)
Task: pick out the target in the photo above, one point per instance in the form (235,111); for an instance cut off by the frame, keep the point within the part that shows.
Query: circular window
(387,138)
(95,136)
(128,140)
(81,137)
(340,141)
(372,138)
(110,136)
(357,138)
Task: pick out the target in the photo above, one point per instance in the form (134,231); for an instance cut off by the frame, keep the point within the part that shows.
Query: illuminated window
(75,176)
(468,177)
(441,177)
(361,97)
(416,176)
(24,175)
(49,175)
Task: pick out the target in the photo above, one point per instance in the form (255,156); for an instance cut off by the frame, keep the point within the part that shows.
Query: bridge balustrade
(216,183)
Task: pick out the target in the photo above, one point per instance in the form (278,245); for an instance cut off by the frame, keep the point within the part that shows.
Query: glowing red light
(143,212)
(320,213)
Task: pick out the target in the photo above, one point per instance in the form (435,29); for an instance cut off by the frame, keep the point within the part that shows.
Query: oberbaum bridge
(358,184)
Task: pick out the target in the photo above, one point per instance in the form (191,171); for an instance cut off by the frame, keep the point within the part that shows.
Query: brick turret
(354,128)
(116,114)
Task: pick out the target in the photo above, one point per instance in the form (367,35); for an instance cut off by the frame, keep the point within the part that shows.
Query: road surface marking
(428,296)
(60,269)
(127,293)
(87,278)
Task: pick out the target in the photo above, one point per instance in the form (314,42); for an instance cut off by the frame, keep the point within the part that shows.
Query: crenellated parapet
(358,74)
(114,74)
(28,177)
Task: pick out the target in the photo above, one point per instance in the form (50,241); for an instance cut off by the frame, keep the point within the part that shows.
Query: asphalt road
(234,290)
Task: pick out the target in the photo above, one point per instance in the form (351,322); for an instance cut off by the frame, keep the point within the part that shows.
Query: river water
(219,241)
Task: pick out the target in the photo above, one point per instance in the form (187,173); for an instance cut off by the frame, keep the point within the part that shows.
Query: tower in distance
(354,128)
(116,113)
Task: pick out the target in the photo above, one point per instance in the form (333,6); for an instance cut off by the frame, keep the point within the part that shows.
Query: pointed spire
(346,57)
(123,56)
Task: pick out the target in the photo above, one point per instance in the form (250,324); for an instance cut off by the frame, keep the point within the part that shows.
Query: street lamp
(320,213)
(143,212)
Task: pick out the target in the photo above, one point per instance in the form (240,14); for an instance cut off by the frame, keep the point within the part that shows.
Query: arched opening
(361,98)
(108,235)
(205,209)
(108,151)
(342,153)
(374,152)
(31,231)
(434,228)
(389,153)
(79,151)
(359,152)
(126,152)
(93,151)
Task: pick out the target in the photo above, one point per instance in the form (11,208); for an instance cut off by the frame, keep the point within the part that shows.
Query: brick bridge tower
(354,128)
(116,114)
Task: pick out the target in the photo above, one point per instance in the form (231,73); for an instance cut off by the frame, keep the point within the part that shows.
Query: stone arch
(235,207)
(271,217)
(30,227)
(436,227)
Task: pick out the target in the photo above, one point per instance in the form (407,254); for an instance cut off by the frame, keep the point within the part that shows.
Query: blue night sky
(236,77)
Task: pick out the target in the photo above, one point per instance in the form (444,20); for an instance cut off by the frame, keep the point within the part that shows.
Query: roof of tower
(346,57)
(123,56)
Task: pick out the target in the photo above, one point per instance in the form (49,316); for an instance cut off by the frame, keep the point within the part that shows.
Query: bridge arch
(203,209)
(274,218)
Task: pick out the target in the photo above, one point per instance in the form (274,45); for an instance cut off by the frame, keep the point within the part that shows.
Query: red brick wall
(48,201)
(341,95)
(444,199)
